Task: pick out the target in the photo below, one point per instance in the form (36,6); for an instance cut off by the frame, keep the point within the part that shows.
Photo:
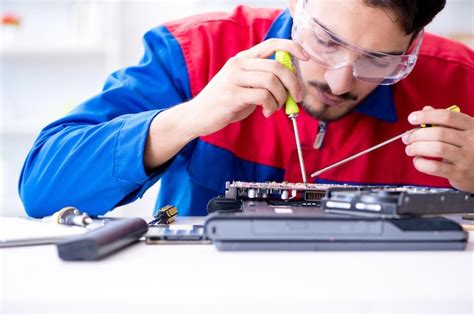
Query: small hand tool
(453,108)
(291,109)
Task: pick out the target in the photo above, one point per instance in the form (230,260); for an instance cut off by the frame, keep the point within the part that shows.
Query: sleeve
(92,159)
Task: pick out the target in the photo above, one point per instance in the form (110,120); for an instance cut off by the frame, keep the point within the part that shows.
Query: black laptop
(238,222)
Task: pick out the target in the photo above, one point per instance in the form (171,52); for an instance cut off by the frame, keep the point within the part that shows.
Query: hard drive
(397,202)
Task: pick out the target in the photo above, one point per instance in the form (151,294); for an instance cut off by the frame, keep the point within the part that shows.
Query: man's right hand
(244,82)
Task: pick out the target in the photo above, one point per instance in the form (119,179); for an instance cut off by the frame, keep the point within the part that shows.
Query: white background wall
(64,49)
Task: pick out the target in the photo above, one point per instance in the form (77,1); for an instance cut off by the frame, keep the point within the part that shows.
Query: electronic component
(176,234)
(223,204)
(276,193)
(397,202)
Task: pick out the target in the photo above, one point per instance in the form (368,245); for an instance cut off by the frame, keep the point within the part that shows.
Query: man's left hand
(450,142)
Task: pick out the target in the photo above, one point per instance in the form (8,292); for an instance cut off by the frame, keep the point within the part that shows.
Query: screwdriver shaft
(298,148)
(362,153)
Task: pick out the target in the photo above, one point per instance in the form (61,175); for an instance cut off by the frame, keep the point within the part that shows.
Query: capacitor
(251,193)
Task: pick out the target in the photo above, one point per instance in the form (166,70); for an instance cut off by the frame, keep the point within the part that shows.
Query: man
(203,107)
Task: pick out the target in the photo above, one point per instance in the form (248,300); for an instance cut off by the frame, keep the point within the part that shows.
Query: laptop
(263,223)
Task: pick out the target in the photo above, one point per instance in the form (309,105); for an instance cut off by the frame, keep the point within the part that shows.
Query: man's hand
(452,140)
(244,82)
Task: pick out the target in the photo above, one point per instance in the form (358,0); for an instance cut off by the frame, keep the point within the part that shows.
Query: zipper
(318,142)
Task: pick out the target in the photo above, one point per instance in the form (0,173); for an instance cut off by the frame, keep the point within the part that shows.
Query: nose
(340,80)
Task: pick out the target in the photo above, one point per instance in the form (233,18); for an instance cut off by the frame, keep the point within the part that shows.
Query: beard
(325,112)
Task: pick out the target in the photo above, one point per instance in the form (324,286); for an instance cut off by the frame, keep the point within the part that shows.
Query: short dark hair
(413,15)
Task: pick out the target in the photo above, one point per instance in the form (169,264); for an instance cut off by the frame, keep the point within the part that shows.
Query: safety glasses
(333,52)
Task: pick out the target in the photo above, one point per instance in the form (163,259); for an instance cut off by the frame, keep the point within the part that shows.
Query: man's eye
(379,62)
(325,43)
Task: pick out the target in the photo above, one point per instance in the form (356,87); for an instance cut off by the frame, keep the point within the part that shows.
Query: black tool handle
(103,241)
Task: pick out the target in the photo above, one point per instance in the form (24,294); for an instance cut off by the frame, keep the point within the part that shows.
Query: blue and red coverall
(93,158)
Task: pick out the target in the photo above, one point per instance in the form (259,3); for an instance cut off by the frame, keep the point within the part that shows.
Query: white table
(198,278)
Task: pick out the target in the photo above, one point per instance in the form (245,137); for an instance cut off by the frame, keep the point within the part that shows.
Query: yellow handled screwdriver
(453,108)
(291,108)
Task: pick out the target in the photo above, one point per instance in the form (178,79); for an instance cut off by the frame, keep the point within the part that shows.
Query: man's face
(332,93)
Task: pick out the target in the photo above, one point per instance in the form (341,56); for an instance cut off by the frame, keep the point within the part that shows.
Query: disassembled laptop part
(397,202)
(374,201)
(306,194)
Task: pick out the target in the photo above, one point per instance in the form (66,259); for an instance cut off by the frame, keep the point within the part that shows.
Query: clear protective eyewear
(331,51)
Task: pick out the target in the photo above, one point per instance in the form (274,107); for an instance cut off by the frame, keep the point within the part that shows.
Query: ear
(292,7)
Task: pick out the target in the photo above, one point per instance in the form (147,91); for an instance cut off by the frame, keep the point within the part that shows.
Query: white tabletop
(199,278)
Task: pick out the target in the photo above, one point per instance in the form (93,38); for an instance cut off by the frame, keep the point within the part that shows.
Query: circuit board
(277,192)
